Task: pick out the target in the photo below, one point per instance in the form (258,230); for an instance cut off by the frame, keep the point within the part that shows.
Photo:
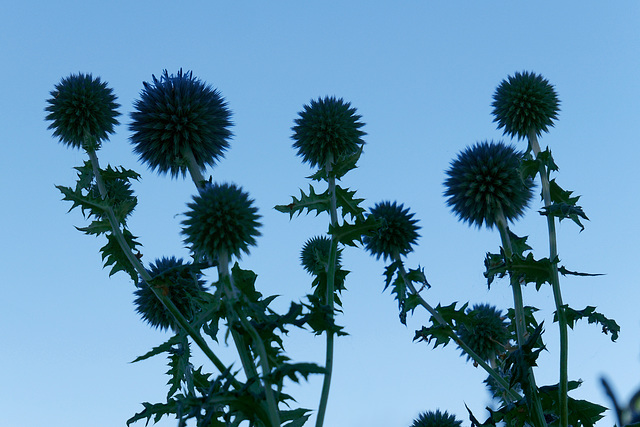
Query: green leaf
(346,164)
(312,202)
(350,205)
(562,270)
(155,411)
(350,234)
(531,270)
(113,255)
(179,366)
(544,160)
(162,348)
(565,211)
(592,316)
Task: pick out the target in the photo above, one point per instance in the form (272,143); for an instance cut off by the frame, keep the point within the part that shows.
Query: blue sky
(422,75)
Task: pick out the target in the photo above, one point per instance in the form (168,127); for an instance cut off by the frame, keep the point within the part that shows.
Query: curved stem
(135,262)
(331,273)
(194,169)
(511,394)
(521,330)
(555,285)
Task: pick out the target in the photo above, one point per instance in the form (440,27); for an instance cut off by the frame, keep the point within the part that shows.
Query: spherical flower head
(397,234)
(82,110)
(487,332)
(328,128)
(221,219)
(315,255)
(179,282)
(525,103)
(485,181)
(436,419)
(176,114)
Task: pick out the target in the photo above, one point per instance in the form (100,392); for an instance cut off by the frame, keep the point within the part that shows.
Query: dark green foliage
(180,282)
(83,111)
(397,233)
(484,181)
(119,201)
(177,113)
(436,419)
(221,218)
(592,316)
(315,255)
(525,103)
(327,128)
(440,333)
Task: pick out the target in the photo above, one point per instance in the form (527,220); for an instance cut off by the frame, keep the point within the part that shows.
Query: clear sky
(421,74)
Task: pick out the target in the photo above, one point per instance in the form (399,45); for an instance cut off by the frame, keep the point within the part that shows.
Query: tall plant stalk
(330,296)
(531,391)
(555,285)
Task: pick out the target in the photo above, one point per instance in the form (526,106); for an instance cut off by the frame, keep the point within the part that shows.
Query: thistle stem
(532,395)
(244,349)
(331,273)
(146,277)
(512,395)
(194,169)
(563,389)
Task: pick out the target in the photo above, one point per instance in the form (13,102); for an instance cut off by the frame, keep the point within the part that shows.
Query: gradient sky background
(422,75)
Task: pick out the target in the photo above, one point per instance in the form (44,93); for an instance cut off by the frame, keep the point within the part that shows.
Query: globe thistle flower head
(436,419)
(221,218)
(175,114)
(327,128)
(397,234)
(485,181)
(179,282)
(82,111)
(525,103)
(486,333)
(315,255)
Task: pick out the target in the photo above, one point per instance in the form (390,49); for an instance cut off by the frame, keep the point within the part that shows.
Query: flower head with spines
(397,234)
(485,182)
(525,103)
(486,331)
(327,129)
(177,114)
(315,255)
(83,111)
(221,218)
(436,419)
(180,282)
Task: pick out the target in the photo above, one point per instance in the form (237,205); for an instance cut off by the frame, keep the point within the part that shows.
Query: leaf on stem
(350,234)
(311,202)
(592,316)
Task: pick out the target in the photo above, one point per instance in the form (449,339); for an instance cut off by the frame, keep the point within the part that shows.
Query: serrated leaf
(114,256)
(562,270)
(531,270)
(311,202)
(565,211)
(350,205)
(442,335)
(162,348)
(97,227)
(95,206)
(179,366)
(592,316)
(350,234)
(155,411)
(544,159)
(346,164)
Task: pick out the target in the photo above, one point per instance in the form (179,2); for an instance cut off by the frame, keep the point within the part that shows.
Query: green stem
(555,285)
(146,277)
(331,273)
(244,350)
(521,330)
(511,394)
(194,169)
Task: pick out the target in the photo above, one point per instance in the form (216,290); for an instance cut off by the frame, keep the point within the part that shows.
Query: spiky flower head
(397,234)
(525,103)
(82,110)
(486,331)
(221,218)
(485,181)
(436,419)
(327,128)
(177,114)
(315,255)
(177,280)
